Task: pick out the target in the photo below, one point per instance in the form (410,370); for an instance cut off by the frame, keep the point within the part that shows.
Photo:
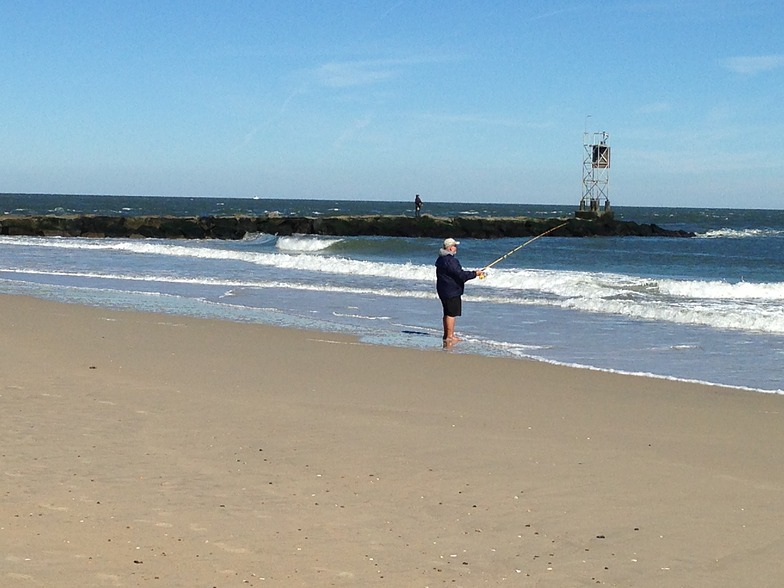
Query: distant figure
(417,205)
(450,283)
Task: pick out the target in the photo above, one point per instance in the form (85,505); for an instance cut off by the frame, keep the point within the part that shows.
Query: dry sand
(151,450)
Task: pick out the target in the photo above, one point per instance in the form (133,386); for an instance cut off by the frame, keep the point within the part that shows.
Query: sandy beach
(153,450)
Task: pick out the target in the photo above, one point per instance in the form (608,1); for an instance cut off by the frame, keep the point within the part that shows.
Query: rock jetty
(237,227)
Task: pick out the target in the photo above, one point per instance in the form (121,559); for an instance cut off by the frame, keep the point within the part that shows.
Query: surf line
(519,247)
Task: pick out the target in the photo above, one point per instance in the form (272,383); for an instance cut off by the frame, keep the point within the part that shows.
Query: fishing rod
(519,247)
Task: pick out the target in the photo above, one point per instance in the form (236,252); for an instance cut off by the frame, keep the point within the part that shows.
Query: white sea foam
(305,243)
(721,290)
(233,285)
(315,263)
(560,283)
(605,286)
(360,316)
(258,238)
(734,317)
(741,306)
(739,233)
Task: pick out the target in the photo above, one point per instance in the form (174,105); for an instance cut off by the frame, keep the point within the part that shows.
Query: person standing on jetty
(417,205)
(450,283)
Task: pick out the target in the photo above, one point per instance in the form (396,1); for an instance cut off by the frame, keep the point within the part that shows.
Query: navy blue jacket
(450,276)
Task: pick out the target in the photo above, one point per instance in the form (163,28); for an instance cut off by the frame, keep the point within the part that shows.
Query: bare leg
(449,328)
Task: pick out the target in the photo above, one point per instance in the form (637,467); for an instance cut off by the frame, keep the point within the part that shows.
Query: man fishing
(450,283)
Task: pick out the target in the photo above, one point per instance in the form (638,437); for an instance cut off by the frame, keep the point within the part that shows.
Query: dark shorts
(452,306)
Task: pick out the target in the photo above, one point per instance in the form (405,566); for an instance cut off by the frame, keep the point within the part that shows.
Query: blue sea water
(707,308)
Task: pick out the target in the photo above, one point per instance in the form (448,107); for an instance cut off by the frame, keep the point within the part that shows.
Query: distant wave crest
(305,243)
(739,233)
(745,306)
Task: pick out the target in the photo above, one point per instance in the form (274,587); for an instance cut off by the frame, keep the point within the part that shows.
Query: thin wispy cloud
(654,108)
(356,73)
(657,6)
(350,133)
(250,136)
(753,64)
(481,120)
(346,74)
(686,161)
(553,13)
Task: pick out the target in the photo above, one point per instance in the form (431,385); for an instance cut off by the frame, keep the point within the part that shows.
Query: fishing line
(519,247)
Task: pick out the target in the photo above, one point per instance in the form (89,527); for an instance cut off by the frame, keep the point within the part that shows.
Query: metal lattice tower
(596,175)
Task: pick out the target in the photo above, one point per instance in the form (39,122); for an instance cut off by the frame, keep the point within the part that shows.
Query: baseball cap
(449,242)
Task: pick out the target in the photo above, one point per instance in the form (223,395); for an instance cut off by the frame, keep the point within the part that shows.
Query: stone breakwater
(237,227)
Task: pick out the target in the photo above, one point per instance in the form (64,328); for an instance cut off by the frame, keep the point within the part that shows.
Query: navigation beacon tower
(596,176)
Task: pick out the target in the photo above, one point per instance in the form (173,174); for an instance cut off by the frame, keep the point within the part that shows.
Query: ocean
(707,309)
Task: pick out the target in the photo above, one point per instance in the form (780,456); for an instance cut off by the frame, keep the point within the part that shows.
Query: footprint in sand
(53,507)
(229,549)
(113,578)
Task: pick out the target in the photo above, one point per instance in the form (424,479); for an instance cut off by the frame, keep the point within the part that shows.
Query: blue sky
(475,101)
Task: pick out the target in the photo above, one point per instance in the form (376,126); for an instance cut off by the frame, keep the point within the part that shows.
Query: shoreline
(469,346)
(390,340)
(653,376)
(156,448)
